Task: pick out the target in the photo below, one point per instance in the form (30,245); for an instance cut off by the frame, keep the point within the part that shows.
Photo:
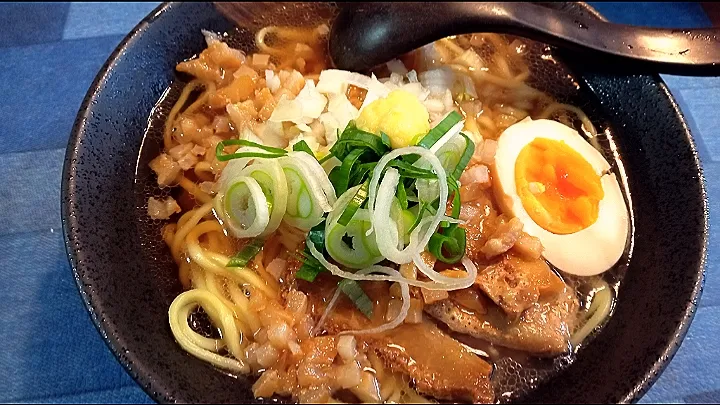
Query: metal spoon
(365,35)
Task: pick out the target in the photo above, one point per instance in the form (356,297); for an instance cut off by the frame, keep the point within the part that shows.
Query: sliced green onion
(307,201)
(271,152)
(302,146)
(271,178)
(465,157)
(362,302)
(308,273)
(244,208)
(340,176)
(452,184)
(440,129)
(354,204)
(408,219)
(247,253)
(350,245)
(450,246)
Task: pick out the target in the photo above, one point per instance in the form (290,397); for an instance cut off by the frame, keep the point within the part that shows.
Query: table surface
(50,54)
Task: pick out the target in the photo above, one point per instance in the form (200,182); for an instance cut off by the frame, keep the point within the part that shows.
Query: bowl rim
(70,231)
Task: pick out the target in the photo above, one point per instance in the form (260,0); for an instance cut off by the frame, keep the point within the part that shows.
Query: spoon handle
(683,49)
(408,26)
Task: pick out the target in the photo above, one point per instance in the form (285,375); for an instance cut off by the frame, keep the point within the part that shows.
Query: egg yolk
(558,188)
(400,115)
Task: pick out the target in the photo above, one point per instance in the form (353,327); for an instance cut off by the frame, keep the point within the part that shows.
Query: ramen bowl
(128,280)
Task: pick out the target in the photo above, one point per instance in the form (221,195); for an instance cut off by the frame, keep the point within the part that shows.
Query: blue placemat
(49,55)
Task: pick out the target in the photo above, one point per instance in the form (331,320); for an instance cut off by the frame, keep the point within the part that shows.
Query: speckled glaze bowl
(128,283)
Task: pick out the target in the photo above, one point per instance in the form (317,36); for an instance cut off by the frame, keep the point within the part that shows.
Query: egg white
(590,251)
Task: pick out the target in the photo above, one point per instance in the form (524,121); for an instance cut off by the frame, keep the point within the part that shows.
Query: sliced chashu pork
(542,329)
(439,365)
(516,284)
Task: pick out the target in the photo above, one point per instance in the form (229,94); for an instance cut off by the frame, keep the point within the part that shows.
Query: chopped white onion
(396,66)
(347,348)
(336,81)
(438,80)
(287,110)
(468,85)
(210,37)
(412,76)
(312,102)
(272,80)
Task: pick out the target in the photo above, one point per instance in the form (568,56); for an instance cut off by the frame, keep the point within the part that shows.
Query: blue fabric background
(49,55)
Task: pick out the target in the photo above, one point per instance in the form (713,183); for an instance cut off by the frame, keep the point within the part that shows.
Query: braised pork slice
(542,329)
(440,365)
(515,284)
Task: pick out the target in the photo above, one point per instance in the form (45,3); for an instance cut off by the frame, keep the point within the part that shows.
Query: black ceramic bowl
(127,279)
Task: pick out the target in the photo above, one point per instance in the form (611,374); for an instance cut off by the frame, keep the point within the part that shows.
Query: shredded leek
(267,151)
(340,176)
(353,138)
(271,178)
(247,253)
(440,129)
(302,146)
(311,267)
(448,247)
(362,302)
(465,157)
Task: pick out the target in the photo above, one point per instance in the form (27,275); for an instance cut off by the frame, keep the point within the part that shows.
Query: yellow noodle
(211,285)
(213,345)
(194,190)
(202,99)
(204,171)
(184,274)
(242,302)
(554,107)
(170,121)
(220,316)
(599,310)
(192,220)
(452,47)
(215,262)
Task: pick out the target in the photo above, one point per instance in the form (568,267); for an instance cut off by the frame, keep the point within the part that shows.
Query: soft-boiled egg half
(559,186)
